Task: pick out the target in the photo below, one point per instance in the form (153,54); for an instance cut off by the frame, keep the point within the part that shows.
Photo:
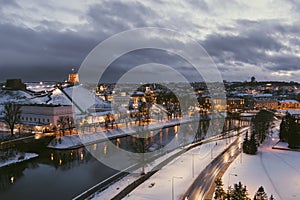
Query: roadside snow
(121,184)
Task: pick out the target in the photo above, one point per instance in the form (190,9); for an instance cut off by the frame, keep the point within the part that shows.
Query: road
(204,180)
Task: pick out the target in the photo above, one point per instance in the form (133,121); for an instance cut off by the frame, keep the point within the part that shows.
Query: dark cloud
(40,51)
(284,62)
(115,16)
(259,43)
(139,57)
(44,51)
(9,3)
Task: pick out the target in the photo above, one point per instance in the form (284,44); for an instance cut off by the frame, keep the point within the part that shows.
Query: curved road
(203,182)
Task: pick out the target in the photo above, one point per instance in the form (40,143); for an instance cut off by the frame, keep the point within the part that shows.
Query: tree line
(290,131)
(238,192)
(261,125)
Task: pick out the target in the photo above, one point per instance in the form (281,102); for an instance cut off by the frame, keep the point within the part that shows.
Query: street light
(229,178)
(211,151)
(193,165)
(178,177)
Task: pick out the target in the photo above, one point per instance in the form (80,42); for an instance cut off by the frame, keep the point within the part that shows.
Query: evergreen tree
(227,196)
(271,197)
(285,127)
(262,123)
(261,194)
(219,191)
(239,192)
(289,131)
(294,135)
(250,146)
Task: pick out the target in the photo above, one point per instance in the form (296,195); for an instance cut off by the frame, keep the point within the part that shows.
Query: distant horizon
(228,81)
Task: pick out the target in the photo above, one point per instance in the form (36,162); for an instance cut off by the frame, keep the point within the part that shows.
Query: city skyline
(44,41)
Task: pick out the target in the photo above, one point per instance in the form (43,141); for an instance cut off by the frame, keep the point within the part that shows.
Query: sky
(44,40)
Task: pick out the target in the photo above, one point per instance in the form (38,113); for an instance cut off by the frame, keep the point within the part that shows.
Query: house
(288,105)
(14,84)
(266,103)
(43,115)
(235,104)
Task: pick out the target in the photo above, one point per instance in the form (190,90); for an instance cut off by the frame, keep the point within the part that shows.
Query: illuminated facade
(44,115)
(73,78)
(265,103)
(235,104)
(288,105)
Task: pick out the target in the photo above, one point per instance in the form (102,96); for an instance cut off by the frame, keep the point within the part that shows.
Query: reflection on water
(54,175)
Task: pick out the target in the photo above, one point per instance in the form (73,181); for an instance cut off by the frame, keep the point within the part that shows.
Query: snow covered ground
(181,171)
(21,157)
(118,186)
(278,171)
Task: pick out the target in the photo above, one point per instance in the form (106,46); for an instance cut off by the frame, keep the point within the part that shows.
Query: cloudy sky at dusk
(43,40)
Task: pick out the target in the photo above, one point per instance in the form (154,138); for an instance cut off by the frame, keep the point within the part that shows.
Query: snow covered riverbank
(75,141)
(18,158)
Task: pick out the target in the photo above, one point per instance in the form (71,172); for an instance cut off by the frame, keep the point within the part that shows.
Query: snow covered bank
(75,141)
(283,146)
(276,170)
(18,159)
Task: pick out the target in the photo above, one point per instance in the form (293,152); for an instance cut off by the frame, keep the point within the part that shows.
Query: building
(44,115)
(235,104)
(14,84)
(73,78)
(266,103)
(288,105)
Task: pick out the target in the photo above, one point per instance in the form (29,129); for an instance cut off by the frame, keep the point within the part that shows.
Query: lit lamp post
(211,151)
(193,165)
(178,177)
(229,178)
(241,152)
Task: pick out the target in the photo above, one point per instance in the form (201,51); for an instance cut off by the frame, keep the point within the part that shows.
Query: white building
(43,115)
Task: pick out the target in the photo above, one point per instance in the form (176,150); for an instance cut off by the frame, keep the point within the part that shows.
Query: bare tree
(62,124)
(12,114)
(70,124)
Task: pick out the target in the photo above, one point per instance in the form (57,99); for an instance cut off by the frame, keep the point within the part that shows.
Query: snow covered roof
(262,95)
(59,98)
(292,112)
(83,99)
(289,101)
(17,96)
